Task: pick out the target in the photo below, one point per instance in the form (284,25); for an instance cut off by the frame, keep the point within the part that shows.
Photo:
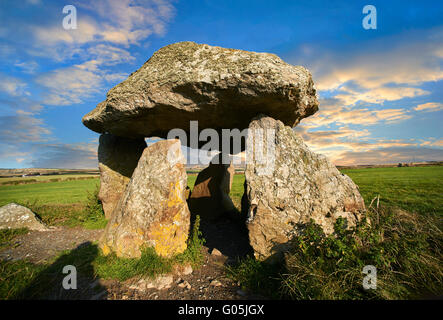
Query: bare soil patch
(40,246)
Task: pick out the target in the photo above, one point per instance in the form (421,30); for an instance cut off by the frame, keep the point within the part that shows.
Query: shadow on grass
(47,284)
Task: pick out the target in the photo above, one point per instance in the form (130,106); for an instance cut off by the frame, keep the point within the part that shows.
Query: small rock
(13,216)
(185,284)
(187,270)
(216,252)
(160,283)
(183,270)
(216,283)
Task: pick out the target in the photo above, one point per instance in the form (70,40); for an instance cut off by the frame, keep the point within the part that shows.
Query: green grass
(7,235)
(66,203)
(16,276)
(417,189)
(24,280)
(63,192)
(414,189)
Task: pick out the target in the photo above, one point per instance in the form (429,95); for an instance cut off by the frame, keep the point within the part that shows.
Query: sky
(380,90)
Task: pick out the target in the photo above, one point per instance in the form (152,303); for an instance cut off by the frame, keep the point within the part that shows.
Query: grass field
(415,189)
(62,192)
(408,244)
(48,178)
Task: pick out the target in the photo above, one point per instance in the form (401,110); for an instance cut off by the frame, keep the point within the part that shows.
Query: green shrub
(257,276)
(405,248)
(193,253)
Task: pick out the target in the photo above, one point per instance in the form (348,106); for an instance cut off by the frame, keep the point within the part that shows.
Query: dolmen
(143,188)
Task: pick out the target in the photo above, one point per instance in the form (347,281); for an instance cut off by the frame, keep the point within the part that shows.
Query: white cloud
(386,69)
(13,86)
(334,114)
(65,156)
(70,85)
(429,107)
(433,142)
(22,127)
(108,55)
(75,84)
(389,155)
(409,59)
(378,95)
(122,22)
(27,67)
(98,43)
(345,146)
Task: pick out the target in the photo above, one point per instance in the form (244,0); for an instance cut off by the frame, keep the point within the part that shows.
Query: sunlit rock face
(291,187)
(152,211)
(218,87)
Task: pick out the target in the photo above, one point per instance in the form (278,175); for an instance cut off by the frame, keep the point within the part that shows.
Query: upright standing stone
(117,159)
(290,185)
(152,211)
(210,197)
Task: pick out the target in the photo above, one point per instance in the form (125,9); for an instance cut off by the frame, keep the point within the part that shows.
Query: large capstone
(287,185)
(14,216)
(117,159)
(218,87)
(210,197)
(152,211)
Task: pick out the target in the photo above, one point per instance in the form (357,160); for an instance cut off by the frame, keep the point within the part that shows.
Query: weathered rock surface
(152,211)
(287,190)
(14,216)
(161,282)
(188,81)
(210,196)
(117,159)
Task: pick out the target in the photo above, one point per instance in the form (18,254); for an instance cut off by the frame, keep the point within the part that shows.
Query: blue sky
(381,91)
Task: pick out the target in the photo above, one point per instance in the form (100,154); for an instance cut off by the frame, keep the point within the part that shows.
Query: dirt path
(206,283)
(209,282)
(39,246)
